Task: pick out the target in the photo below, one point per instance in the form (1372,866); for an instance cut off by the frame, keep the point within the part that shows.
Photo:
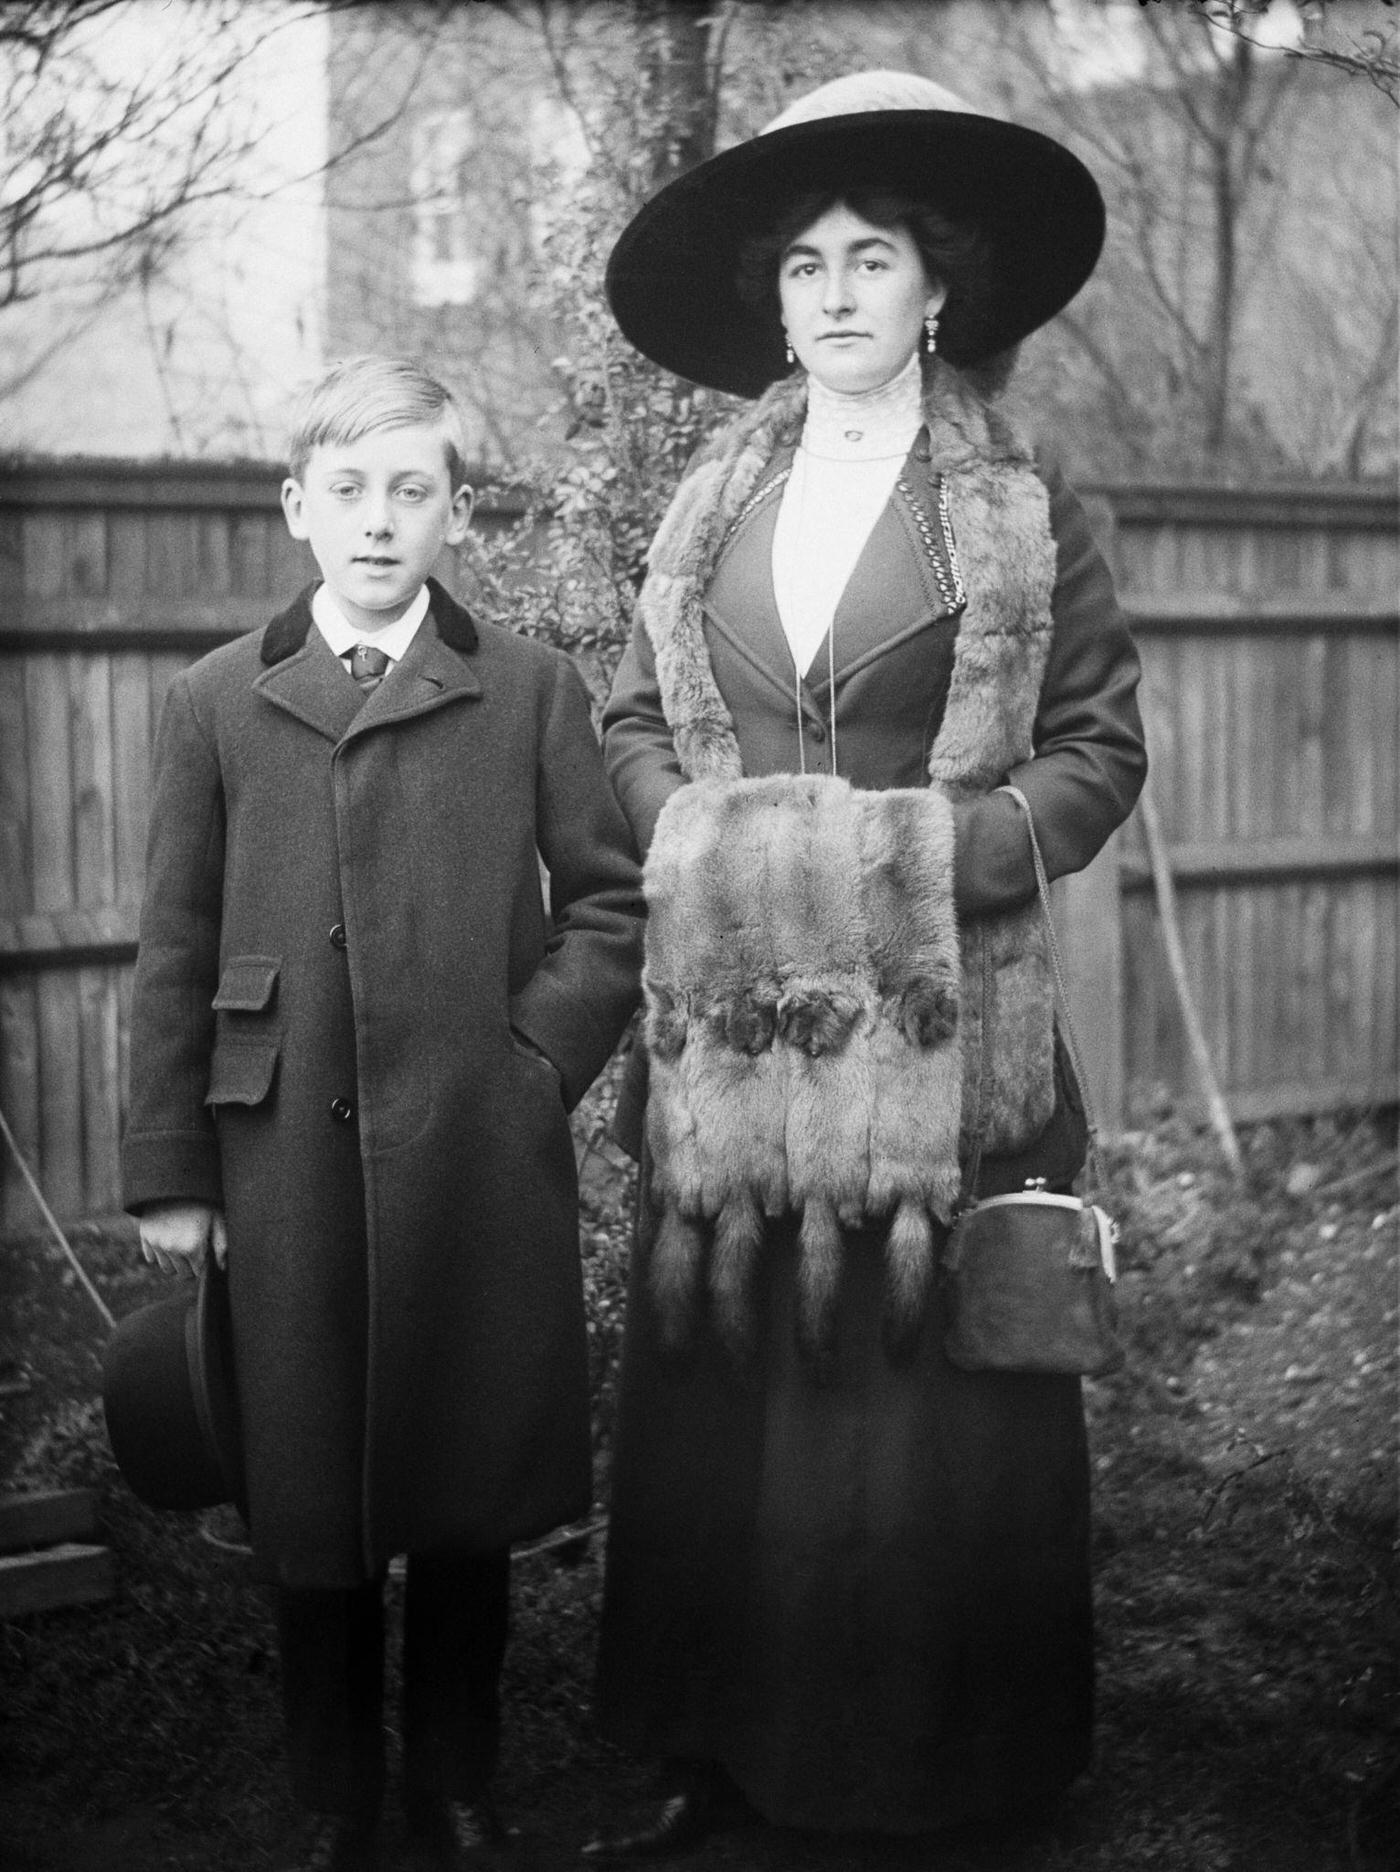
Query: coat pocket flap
(240,1072)
(247,983)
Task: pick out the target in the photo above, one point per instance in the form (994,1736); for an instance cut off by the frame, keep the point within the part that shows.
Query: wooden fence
(1267,619)
(1268,625)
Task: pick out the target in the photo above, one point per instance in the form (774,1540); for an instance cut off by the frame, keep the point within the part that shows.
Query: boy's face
(377,513)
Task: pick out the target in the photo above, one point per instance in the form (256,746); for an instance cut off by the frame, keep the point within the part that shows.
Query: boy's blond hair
(356,396)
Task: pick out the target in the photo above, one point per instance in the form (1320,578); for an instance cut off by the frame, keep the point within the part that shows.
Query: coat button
(816,730)
(338,936)
(342,1110)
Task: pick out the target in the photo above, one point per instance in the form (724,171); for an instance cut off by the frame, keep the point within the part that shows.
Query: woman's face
(854,297)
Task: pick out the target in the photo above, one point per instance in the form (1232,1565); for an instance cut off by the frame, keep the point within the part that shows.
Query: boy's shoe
(458,1835)
(330,1843)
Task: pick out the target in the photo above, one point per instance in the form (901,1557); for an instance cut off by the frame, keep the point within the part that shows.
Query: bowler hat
(169,1397)
(672,278)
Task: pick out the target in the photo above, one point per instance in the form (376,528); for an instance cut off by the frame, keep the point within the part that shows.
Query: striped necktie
(367,666)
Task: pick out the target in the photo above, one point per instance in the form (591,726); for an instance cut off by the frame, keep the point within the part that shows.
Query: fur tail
(818,1276)
(674,1273)
(908,1277)
(738,1240)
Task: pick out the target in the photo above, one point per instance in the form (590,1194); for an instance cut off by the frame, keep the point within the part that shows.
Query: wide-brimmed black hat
(169,1397)
(672,278)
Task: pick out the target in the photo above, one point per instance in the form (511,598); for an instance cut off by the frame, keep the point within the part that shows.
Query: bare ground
(1246,1591)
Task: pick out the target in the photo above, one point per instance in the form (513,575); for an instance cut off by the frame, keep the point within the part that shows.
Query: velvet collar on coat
(304,677)
(286,634)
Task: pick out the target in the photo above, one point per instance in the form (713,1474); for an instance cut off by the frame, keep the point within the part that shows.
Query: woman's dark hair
(954,257)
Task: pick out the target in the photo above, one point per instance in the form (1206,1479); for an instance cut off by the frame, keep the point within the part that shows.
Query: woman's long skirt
(868,1599)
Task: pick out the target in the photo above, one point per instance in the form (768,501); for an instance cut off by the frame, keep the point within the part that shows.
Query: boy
(355,1037)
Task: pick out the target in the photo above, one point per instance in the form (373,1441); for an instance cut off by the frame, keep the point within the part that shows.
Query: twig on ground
(1387,1166)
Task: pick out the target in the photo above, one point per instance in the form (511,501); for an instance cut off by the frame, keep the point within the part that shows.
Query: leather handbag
(1029,1276)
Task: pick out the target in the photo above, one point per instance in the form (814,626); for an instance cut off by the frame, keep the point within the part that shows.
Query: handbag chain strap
(1076,1063)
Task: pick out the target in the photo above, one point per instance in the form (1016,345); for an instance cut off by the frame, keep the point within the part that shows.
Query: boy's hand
(177,1235)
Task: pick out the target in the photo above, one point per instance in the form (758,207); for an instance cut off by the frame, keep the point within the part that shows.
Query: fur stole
(808,1035)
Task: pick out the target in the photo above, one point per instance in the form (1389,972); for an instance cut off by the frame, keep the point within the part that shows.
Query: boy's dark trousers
(455,1618)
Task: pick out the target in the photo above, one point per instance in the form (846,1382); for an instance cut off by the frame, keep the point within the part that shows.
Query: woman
(842,1573)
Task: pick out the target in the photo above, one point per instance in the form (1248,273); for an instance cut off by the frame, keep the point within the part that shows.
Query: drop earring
(931,333)
(788,350)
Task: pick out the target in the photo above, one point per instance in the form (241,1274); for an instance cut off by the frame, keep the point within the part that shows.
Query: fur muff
(803,982)
(801,990)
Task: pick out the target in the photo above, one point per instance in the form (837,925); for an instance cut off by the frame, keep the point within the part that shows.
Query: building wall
(433,227)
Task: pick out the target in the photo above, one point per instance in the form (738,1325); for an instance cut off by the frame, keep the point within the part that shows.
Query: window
(447,258)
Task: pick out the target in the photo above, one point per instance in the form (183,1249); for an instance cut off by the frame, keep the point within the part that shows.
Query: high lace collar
(864,425)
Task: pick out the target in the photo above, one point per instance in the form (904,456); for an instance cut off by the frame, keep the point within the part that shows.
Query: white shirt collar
(865,425)
(342,635)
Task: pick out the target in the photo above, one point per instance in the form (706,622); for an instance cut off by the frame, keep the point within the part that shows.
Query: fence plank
(94,620)
(1307,1096)
(69,1574)
(126,565)
(248,556)
(60,1166)
(1309,749)
(125,979)
(1093,955)
(1315,1037)
(94,845)
(1340,752)
(1231,860)
(85,552)
(1382,734)
(1209,615)
(49,748)
(169,569)
(41,545)
(43,1516)
(101,1087)
(42,939)
(16,806)
(1195,800)
(162,667)
(11,561)
(19,1096)
(1255,752)
(1384,978)
(131,769)
(1244,981)
(213,567)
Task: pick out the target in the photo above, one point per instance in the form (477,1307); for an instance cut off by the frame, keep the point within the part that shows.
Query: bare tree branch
(1373,55)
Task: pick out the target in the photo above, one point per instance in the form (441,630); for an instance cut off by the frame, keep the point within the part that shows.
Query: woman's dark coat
(356,1028)
(869,1599)
(895,635)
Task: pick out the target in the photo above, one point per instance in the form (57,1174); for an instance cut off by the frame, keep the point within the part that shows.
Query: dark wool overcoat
(868,1598)
(357,1026)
